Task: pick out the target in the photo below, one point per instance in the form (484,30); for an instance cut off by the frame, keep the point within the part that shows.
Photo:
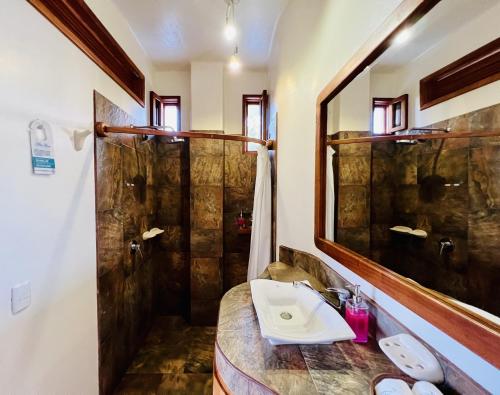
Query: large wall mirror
(408,166)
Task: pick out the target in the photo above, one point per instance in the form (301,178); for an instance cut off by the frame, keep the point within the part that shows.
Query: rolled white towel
(392,387)
(425,388)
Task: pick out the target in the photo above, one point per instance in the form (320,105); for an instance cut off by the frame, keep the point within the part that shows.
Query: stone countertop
(247,363)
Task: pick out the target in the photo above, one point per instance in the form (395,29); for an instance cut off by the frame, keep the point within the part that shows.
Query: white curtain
(260,243)
(330,195)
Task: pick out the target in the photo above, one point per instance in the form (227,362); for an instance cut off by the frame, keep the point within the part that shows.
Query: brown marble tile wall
(125,208)
(449,188)
(239,185)
(352,166)
(172,260)
(206,191)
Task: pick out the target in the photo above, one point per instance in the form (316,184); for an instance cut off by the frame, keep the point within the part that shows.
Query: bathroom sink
(296,315)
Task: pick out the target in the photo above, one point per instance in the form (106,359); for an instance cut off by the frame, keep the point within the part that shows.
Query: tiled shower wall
(125,207)
(173,216)
(207,188)
(352,165)
(467,209)
(222,184)
(239,185)
(193,190)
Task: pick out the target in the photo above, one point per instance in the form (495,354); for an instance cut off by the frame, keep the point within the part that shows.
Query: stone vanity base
(245,363)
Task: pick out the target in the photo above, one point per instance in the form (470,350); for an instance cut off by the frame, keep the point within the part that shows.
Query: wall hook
(79,138)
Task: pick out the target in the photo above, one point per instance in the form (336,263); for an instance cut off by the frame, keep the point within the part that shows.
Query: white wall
(301,65)
(236,84)
(176,83)
(233,84)
(207,95)
(463,40)
(48,222)
(354,100)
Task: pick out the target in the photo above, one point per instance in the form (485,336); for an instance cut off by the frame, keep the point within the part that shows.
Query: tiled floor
(175,359)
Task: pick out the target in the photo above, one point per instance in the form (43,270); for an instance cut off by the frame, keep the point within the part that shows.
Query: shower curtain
(330,195)
(260,242)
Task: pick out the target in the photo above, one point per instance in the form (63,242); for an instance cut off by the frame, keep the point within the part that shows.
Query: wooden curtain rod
(102,130)
(375,139)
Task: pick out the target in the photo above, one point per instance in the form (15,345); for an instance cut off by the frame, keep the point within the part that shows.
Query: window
(254,119)
(379,121)
(171,106)
(389,115)
(165,111)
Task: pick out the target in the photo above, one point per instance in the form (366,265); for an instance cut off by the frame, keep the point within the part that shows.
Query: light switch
(21,297)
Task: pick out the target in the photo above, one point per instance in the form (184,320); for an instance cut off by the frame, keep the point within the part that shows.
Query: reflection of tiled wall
(126,207)
(207,188)
(467,210)
(353,168)
(239,184)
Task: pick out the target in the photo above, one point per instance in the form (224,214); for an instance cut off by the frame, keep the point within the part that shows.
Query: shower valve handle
(446,245)
(135,247)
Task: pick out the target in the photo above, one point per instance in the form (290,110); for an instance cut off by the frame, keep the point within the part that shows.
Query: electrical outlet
(20,297)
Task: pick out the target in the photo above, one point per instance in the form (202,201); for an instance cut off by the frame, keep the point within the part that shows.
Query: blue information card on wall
(42,148)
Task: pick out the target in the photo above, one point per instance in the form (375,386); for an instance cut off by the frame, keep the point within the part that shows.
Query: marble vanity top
(247,363)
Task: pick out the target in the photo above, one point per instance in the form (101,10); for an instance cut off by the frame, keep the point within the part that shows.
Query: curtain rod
(102,130)
(375,139)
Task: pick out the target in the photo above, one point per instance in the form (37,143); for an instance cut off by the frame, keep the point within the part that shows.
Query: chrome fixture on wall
(446,245)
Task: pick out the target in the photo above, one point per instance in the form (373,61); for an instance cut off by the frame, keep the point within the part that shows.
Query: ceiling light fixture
(234,61)
(402,37)
(230,31)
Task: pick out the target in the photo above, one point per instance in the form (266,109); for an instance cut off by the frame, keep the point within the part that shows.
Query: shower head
(418,131)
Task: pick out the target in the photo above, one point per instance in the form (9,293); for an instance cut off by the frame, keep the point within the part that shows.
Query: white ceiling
(176,32)
(447,16)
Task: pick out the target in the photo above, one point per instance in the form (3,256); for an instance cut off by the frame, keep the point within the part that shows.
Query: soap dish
(408,354)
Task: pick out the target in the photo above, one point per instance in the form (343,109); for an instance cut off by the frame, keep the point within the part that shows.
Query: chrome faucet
(446,245)
(343,294)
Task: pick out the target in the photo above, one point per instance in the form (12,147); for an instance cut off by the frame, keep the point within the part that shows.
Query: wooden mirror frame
(476,333)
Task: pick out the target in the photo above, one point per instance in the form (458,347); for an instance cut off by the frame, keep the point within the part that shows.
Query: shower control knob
(135,247)
(446,245)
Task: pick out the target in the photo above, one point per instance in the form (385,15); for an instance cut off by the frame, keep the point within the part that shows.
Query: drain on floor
(286,315)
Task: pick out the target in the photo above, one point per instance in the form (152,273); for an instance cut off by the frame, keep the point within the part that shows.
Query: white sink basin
(296,315)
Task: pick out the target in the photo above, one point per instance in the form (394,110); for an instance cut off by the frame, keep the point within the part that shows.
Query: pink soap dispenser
(356,315)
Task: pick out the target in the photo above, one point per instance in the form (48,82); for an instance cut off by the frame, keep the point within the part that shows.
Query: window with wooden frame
(77,21)
(389,115)
(478,68)
(165,111)
(254,119)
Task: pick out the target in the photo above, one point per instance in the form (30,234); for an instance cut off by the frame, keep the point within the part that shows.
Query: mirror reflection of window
(397,115)
(379,119)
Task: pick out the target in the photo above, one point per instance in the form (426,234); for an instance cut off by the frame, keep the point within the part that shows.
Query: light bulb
(234,63)
(230,32)
(402,37)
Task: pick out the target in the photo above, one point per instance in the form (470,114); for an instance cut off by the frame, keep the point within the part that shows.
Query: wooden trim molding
(77,22)
(479,335)
(471,71)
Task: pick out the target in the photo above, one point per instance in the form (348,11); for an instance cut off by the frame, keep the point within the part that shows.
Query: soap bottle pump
(356,315)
